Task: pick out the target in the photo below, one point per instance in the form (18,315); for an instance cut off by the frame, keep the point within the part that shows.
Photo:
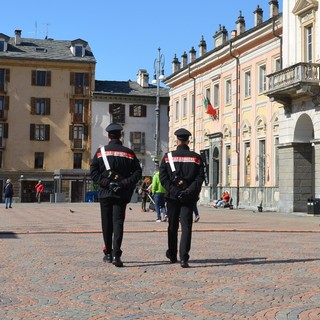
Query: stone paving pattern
(243,265)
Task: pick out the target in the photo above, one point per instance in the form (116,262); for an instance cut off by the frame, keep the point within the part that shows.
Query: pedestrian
(8,193)
(144,193)
(116,169)
(182,175)
(39,189)
(158,192)
(196,213)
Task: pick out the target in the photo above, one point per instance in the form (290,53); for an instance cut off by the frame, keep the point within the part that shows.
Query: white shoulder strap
(173,168)
(104,157)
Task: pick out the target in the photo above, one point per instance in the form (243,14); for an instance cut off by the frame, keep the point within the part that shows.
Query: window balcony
(77,118)
(80,91)
(297,81)
(78,144)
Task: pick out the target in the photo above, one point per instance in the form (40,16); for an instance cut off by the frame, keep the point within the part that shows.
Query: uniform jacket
(123,161)
(189,167)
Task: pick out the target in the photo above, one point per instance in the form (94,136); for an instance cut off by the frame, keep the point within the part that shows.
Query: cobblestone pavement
(243,265)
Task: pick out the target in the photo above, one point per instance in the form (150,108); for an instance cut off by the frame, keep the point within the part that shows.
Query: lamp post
(158,76)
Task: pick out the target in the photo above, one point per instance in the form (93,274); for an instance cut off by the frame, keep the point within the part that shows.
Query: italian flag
(209,108)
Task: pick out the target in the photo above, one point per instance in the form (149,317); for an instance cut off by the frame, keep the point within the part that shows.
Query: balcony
(297,81)
(78,144)
(2,143)
(80,90)
(77,118)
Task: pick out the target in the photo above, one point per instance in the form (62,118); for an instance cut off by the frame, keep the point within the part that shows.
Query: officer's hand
(183,194)
(104,182)
(116,186)
(174,191)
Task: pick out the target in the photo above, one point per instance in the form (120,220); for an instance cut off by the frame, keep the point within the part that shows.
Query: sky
(125,35)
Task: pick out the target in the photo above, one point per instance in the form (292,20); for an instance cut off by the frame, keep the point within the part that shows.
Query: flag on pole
(209,108)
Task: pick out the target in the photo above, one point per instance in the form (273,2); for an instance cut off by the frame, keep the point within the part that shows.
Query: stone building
(45,112)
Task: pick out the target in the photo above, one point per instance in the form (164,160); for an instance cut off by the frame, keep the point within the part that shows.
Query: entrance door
(77,191)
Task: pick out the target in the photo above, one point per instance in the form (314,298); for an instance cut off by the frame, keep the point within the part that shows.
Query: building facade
(133,105)
(45,112)
(297,88)
(220,96)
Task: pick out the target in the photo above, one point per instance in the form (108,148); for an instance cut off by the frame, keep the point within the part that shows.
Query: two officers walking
(116,169)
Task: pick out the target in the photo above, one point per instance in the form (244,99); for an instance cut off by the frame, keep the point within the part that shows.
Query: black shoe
(116,261)
(184,264)
(172,259)
(107,258)
(197,218)
(10,207)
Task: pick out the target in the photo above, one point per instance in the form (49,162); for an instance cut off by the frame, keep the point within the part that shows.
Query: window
(184,107)
(40,106)
(1,45)
(247,84)
(0,159)
(228,165)
(192,104)
(38,160)
(262,79)
(4,105)
(247,162)
(137,110)
(78,51)
(4,79)
(228,91)
(216,95)
(41,78)
(77,160)
(117,112)
(40,132)
(177,111)
(262,163)
(309,44)
(80,82)
(137,140)
(277,64)
(78,134)
(3,133)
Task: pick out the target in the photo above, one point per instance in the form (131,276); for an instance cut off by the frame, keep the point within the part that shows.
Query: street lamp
(158,76)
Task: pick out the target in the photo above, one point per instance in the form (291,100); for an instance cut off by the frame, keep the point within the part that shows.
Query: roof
(46,49)
(129,88)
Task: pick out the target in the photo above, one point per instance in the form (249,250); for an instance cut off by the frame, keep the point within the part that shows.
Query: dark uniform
(116,189)
(182,192)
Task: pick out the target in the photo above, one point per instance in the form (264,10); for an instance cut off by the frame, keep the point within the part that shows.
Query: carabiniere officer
(182,175)
(116,186)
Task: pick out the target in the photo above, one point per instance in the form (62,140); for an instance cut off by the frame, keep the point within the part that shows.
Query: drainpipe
(194,111)
(280,38)
(237,119)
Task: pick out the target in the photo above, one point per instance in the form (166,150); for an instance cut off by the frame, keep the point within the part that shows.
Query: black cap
(182,134)
(114,128)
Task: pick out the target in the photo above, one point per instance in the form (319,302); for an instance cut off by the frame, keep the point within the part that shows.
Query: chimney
(192,54)
(143,78)
(203,47)
(221,36)
(175,64)
(258,16)
(17,37)
(241,24)
(233,34)
(184,59)
(274,8)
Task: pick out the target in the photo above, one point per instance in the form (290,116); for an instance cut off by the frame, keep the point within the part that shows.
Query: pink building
(239,138)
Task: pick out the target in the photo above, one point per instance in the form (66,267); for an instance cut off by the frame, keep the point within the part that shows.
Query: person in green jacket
(158,192)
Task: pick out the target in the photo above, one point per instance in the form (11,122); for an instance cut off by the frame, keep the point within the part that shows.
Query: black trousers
(179,212)
(112,219)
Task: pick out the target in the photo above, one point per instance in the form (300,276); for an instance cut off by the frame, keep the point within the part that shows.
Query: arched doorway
(304,164)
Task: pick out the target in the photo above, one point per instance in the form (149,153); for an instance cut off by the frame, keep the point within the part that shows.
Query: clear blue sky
(125,35)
